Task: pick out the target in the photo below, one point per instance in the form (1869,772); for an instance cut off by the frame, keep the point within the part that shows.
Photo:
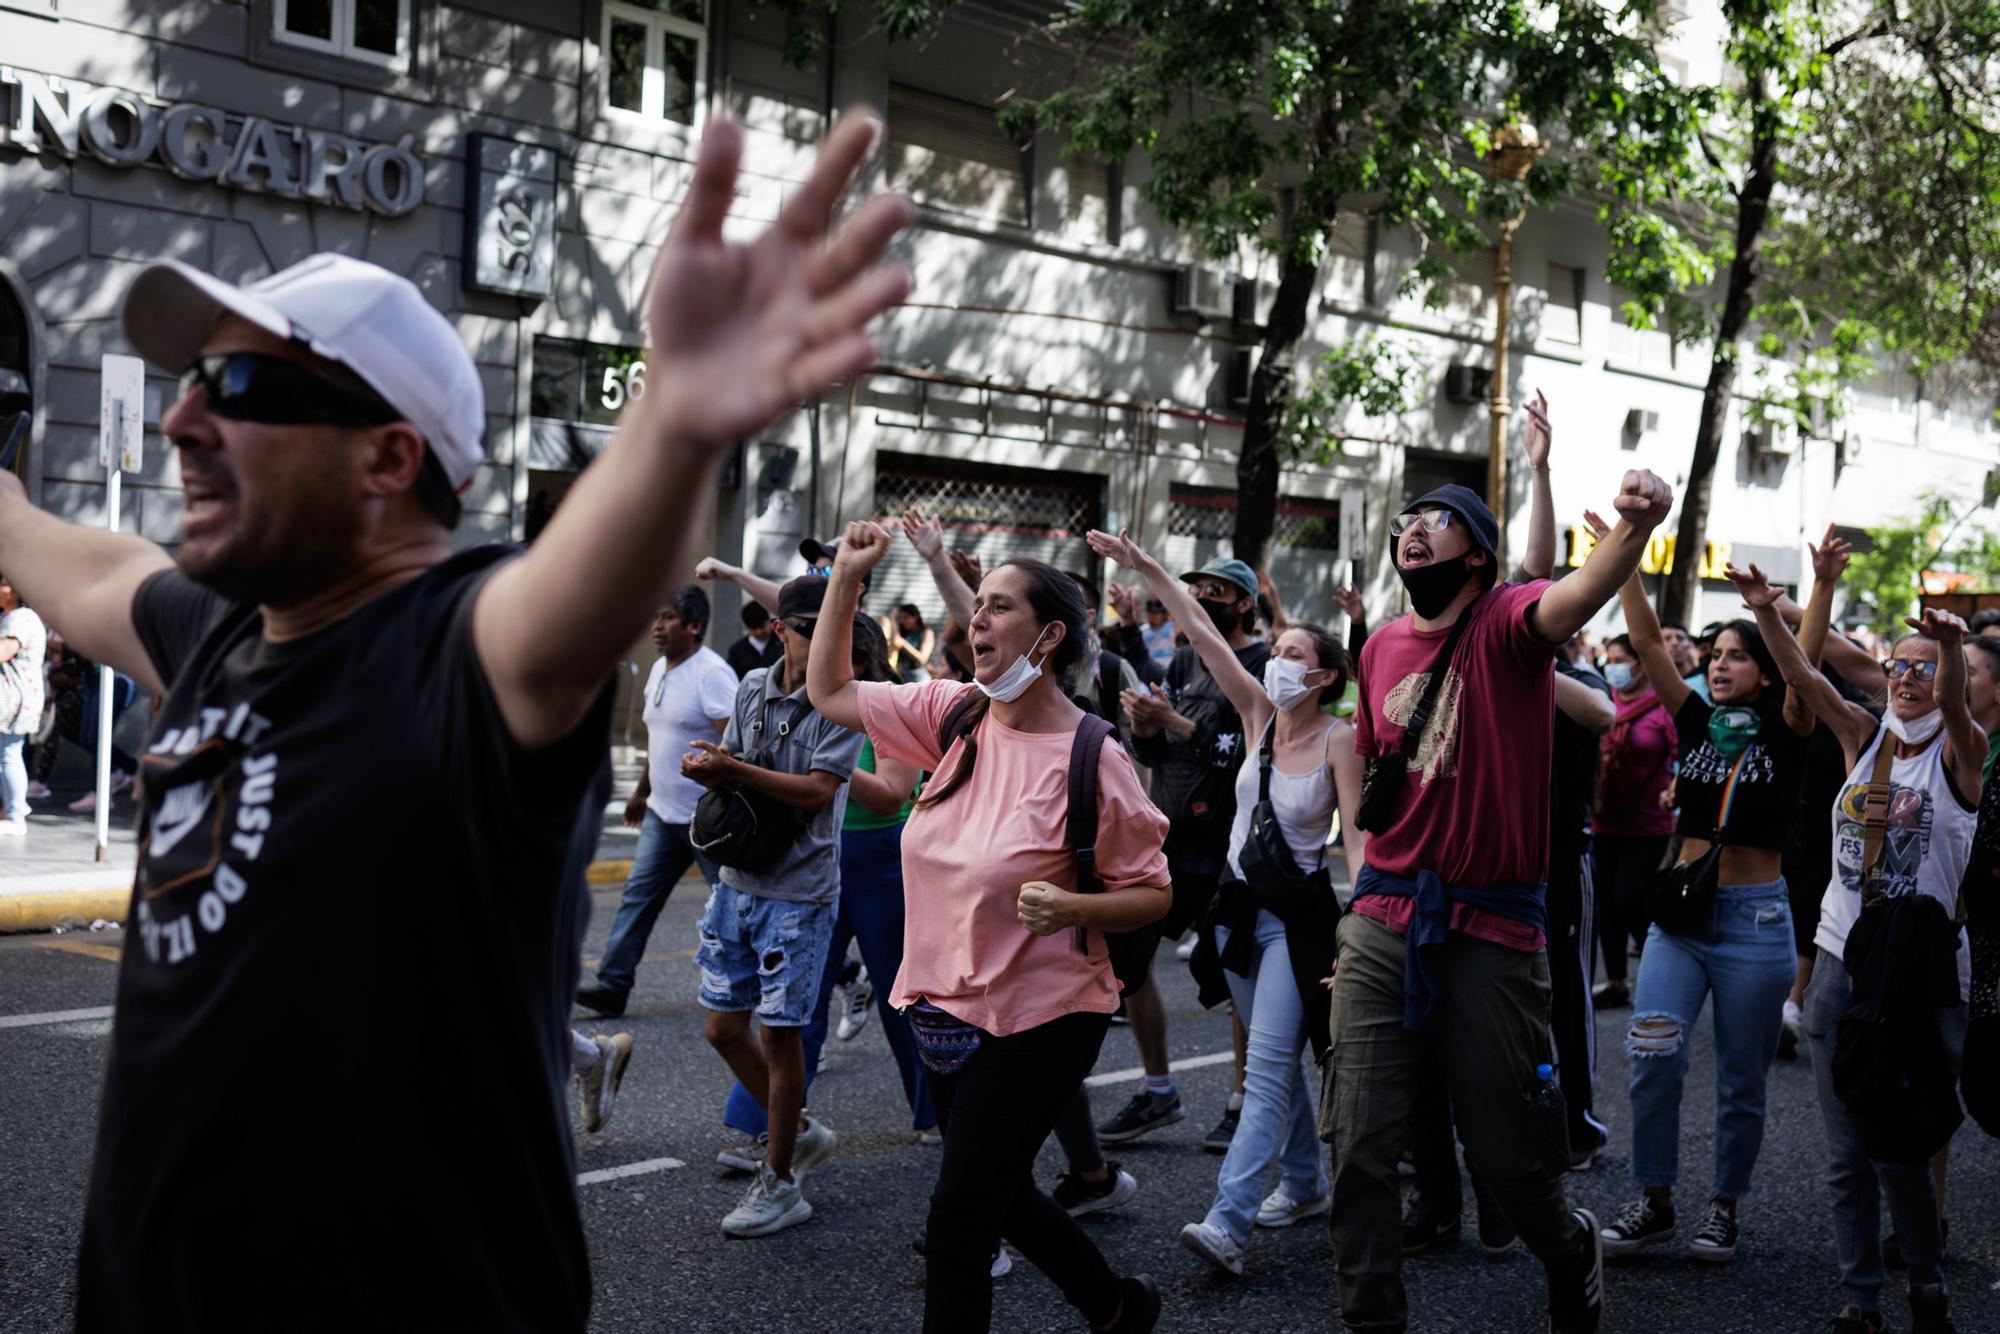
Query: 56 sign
(618,386)
(511,222)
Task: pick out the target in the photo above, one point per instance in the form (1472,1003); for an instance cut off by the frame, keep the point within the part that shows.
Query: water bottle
(1547,1096)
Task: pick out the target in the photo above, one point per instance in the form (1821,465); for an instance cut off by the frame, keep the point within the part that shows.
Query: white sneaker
(930,1137)
(770,1205)
(814,1143)
(1215,1246)
(1185,950)
(857,1002)
(746,1156)
(597,1088)
(14,828)
(39,792)
(1281,1210)
(1003,1263)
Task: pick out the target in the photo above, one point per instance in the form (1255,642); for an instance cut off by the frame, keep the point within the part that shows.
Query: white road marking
(629,1170)
(53,1017)
(1138,1072)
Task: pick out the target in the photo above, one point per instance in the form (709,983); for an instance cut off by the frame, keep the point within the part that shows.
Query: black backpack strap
(954,719)
(1413,731)
(1107,685)
(1085,751)
(1265,760)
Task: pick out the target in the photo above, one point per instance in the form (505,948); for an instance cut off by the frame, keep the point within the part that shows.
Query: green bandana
(1731,730)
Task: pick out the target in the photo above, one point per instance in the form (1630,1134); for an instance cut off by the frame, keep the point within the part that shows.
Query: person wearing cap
(1159,633)
(1443,951)
(1191,737)
(764,934)
(378,767)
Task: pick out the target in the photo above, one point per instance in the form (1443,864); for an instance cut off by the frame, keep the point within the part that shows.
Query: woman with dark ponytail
(1006,976)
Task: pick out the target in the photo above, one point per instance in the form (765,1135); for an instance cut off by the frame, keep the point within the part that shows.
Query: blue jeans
(661,859)
(1277,1128)
(1858,1184)
(1749,965)
(13,775)
(762,956)
(871,912)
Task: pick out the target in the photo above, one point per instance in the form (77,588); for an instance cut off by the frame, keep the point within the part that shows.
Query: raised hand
(967,567)
(1349,601)
(1536,441)
(711,568)
(1751,583)
(1644,500)
(1126,603)
(1121,548)
(926,535)
(1594,522)
(740,333)
(1947,628)
(706,763)
(1830,557)
(862,547)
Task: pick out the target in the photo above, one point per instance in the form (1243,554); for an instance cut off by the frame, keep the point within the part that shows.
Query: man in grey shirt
(765,933)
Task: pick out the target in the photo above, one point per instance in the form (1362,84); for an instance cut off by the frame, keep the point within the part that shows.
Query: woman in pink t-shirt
(1006,977)
(1630,829)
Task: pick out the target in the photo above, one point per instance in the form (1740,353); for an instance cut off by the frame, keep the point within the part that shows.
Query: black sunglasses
(803,629)
(253,387)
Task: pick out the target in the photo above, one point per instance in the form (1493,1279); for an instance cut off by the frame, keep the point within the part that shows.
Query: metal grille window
(375,31)
(653,53)
(993,512)
(952,155)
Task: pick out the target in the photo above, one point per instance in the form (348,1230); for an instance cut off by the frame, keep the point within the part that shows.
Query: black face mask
(1433,586)
(1222,613)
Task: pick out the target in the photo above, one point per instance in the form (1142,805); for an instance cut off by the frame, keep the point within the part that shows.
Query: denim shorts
(763,955)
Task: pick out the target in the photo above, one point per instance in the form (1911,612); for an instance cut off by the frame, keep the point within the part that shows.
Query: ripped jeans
(763,955)
(1748,963)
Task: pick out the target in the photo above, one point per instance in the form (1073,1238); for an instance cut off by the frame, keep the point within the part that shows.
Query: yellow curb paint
(96,950)
(609,872)
(39,912)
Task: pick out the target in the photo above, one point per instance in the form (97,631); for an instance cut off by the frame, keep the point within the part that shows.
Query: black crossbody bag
(1681,898)
(1382,778)
(734,826)
(1276,883)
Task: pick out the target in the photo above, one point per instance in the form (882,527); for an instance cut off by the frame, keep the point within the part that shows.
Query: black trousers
(1622,865)
(996,1111)
(1572,944)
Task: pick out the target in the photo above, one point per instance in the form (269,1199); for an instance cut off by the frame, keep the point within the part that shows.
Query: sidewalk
(52,877)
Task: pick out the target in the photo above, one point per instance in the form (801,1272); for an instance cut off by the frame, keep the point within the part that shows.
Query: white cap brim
(171,310)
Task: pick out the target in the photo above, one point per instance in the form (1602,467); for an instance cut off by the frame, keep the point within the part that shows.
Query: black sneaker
(1139,1311)
(1610,996)
(1930,1310)
(1643,1224)
(1715,1240)
(1078,1196)
(1496,1235)
(1576,1287)
(1143,1115)
(601,1000)
(1854,1320)
(1217,1140)
(1426,1227)
(1892,1247)
(1587,1143)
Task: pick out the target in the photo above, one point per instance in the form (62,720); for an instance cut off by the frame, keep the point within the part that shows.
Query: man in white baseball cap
(378,768)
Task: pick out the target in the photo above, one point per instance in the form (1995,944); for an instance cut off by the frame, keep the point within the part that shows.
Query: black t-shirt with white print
(335,1094)
(1767,789)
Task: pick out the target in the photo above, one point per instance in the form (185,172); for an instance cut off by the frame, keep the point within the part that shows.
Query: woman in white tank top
(1934,781)
(1273,968)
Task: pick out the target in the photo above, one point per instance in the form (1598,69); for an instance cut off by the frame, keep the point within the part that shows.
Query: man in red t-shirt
(1444,947)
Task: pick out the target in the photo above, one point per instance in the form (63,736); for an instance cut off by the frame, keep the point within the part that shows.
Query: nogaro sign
(200,143)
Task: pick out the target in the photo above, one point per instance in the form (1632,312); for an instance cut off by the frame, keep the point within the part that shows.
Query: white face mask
(1285,681)
(1618,675)
(1914,731)
(1014,682)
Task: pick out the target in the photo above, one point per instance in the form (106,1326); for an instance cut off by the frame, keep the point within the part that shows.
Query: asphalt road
(660,1262)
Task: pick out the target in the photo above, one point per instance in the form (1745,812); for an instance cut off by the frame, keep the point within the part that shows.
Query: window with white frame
(653,55)
(374,31)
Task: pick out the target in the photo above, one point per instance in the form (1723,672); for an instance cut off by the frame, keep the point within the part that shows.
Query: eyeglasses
(1431,521)
(1898,668)
(803,629)
(253,387)
(1215,592)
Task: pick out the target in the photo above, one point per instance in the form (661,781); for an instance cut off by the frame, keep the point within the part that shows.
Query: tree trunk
(1257,463)
(1679,590)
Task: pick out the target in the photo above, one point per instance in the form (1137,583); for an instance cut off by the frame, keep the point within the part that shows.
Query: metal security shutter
(1304,553)
(993,512)
(952,155)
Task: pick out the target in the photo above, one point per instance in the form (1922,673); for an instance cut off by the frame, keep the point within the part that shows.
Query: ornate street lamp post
(1515,148)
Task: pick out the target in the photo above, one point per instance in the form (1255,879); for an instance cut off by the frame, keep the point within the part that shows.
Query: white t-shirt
(683,705)
(1925,846)
(21,683)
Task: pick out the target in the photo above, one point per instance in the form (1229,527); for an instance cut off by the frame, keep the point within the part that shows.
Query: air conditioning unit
(1641,422)
(1467,384)
(1241,362)
(1204,291)
(1671,12)
(1770,440)
(1249,301)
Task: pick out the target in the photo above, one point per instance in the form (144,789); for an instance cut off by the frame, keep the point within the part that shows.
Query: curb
(39,910)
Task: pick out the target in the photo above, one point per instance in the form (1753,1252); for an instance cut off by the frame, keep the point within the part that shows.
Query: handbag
(1271,873)
(1383,776)
(751,831)
(1681,897)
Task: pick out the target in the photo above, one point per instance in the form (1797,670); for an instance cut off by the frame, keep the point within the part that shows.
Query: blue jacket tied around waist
(1430,923)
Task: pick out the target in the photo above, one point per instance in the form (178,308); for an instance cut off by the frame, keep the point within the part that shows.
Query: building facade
(1064,362)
